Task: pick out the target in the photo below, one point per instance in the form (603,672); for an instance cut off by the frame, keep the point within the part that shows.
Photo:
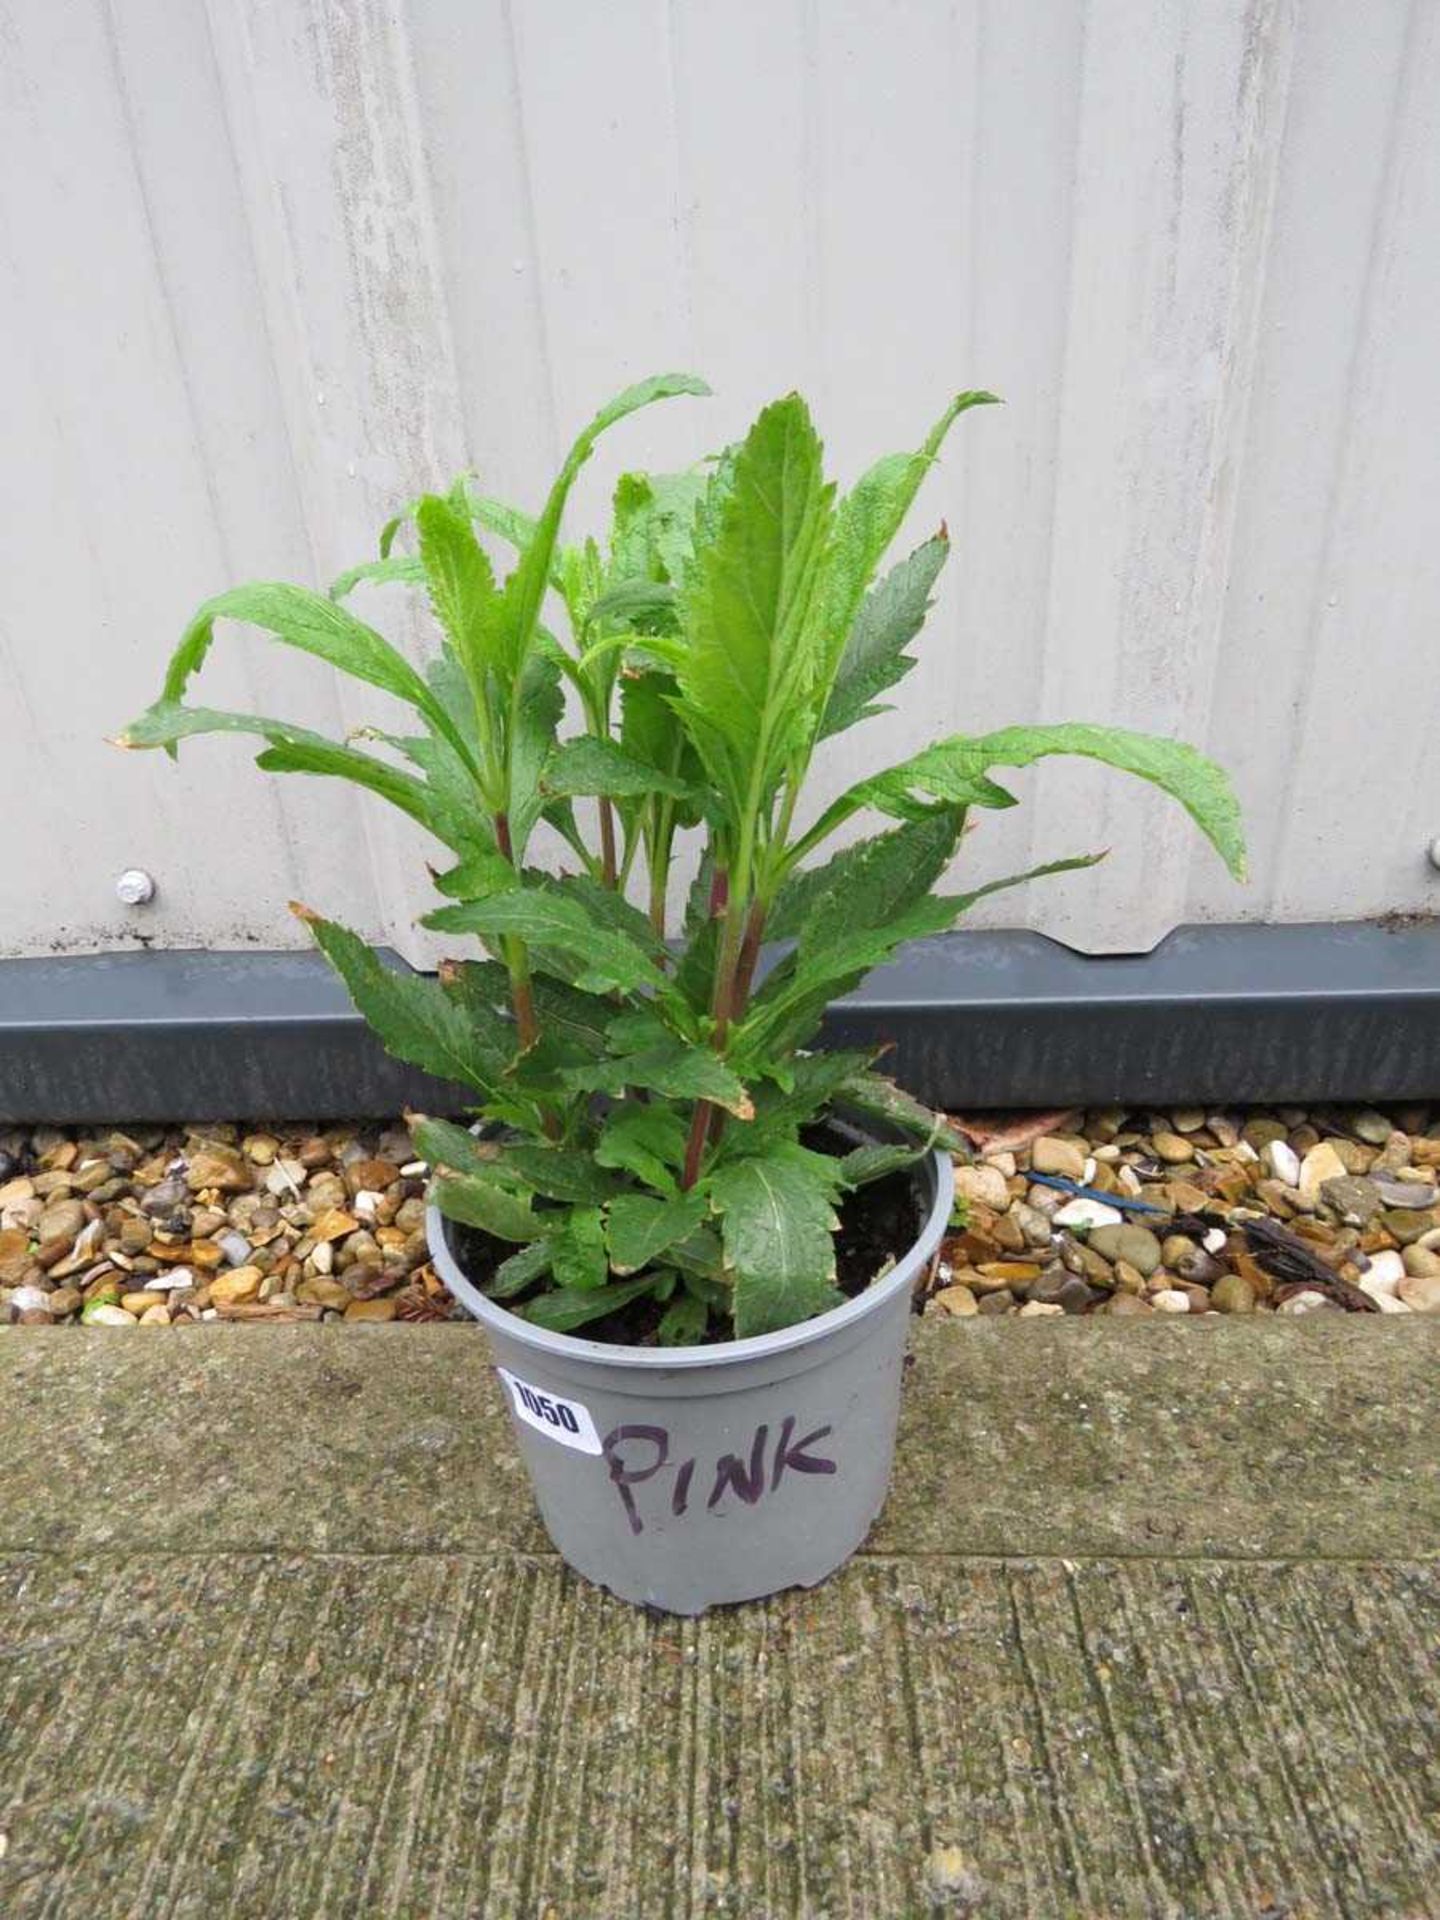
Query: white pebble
(107,1316)
(175,1281)
(27,1299)
(1088,1213)
(1283,1162)
(1386,1302)
(1244,1151)
(1089,1174)
(1215,1240)
(1170,1300)
(1385,1272)
(365,1204)
(1306,1302)
(210,1313)
(415,1169)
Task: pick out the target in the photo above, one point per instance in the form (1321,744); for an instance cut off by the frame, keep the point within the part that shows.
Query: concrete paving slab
(1071,1437)
(1148,1630)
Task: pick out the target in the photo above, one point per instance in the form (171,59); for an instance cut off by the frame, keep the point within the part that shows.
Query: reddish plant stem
(608,868)
(738,996)
(517,964)
(705,1114)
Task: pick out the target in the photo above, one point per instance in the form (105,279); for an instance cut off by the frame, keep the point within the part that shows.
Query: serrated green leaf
(867,884)
(406,567)
(539,708)
(638,604)
(445,1144)
(640,1227)
(314,624)
(590,766)
(678,1071)
(565,1309)
(512,524)
(890,617)
(551,919)
(560,1173)
(521,1270)
(525,589)
(463,593)
(867,519)
(955,770)
(291,750)
(646,1141)
(879,1098)
(567,1017)
(864,1164)
(684,1323)
(748,664)
(789,1005)
(477,877)
(577,1251)
(777,1223)
(414,1017)
(811,1081)
(476,1201)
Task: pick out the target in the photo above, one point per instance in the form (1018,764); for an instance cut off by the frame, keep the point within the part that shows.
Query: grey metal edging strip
(1240,1014)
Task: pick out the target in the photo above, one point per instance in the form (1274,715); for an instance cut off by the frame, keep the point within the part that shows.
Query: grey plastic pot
(686,1478)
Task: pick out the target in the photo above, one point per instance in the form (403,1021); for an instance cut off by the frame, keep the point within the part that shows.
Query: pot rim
(723,1353)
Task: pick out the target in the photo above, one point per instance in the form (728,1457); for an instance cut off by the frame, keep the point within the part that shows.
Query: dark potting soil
(879,1223)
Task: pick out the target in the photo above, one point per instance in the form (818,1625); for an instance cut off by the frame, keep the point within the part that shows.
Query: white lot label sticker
(563,1420)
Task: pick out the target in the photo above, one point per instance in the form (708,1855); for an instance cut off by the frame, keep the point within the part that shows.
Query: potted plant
(692,1241)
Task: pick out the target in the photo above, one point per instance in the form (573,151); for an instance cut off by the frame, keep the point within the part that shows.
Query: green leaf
(539,708)
(956,769)
(795,995)
(812,1082)
(551,919)
(684,1323)
(521,1270)
(314,624)
(560,1173)
(879,1098)
(564,1310)
(592,766)
(864,1164)
(463,592)
(477,877)
(890,617)
(569,1019)
(476,1201)
(637,604)
(646,1141)
(414,1017)
(748,663)
(678,1071)
(577,1251)
(641,1226)
(867,884)
(400,566)
(525,589)
(866,521)
(607,908)
(291,750)
(777,1222)
(512,524)
(445,1144)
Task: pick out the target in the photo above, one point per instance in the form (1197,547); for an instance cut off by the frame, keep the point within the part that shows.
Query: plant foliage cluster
(649,1084)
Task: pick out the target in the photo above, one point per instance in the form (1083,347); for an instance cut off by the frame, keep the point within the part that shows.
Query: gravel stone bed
(1130,1213)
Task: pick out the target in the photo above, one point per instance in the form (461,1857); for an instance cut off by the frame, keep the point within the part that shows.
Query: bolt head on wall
(135,888)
